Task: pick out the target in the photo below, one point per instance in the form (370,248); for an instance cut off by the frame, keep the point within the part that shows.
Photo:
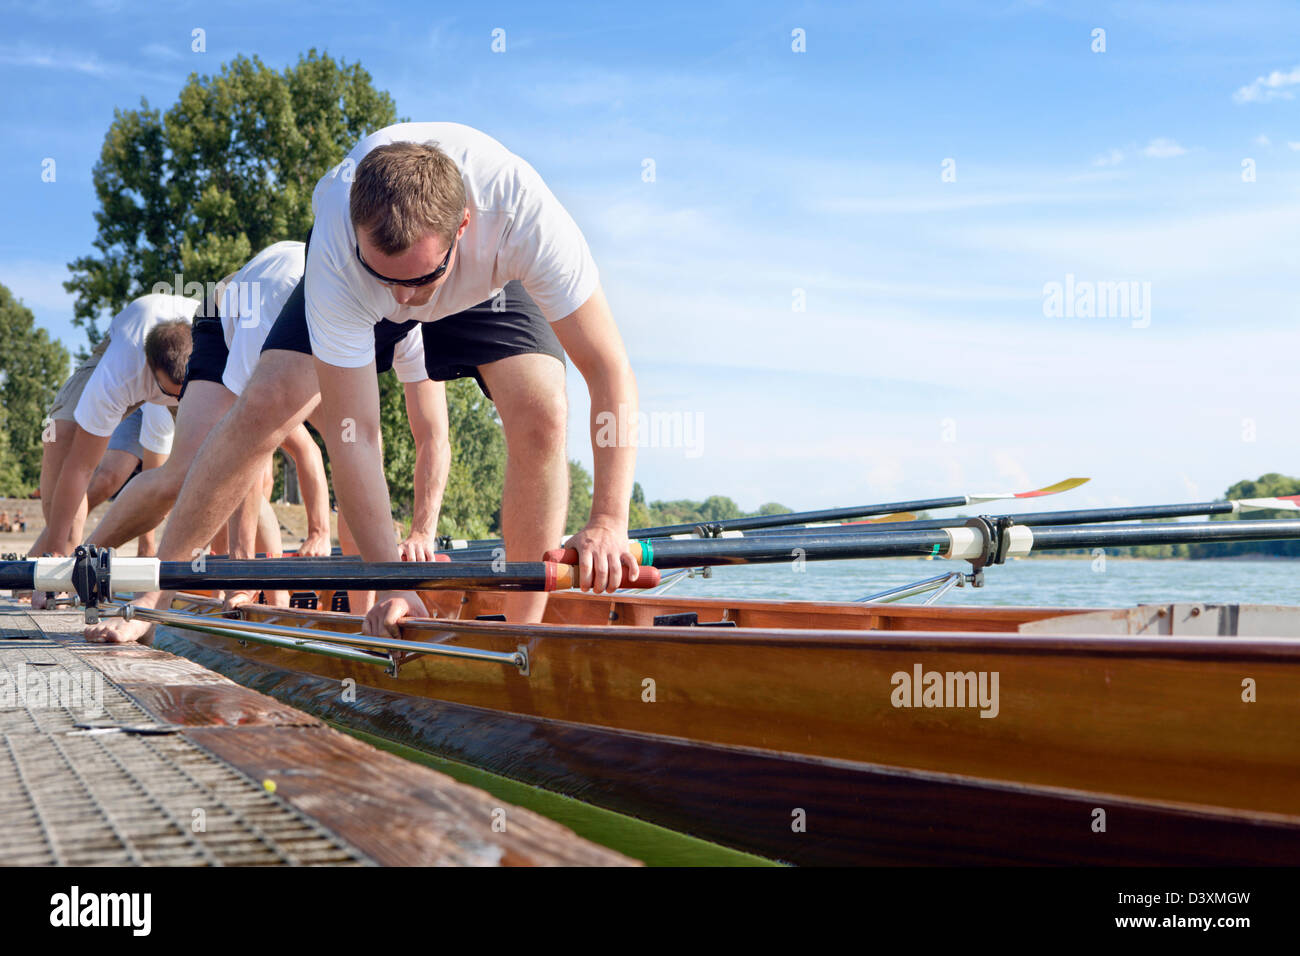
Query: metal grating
(79,797)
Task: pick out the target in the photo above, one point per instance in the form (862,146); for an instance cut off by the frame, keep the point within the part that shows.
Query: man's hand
(233,600)
(604,561)
(393,607)
(117,631)
(418,546)
(316,545)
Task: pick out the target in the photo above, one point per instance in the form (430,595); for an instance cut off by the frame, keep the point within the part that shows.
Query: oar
(979,539)
(832,514)
(100,573)
(1080,516)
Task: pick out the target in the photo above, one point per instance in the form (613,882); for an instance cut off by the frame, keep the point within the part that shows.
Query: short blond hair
(403,192)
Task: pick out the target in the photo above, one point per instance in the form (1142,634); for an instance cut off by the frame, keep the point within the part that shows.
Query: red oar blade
(1056,489)
(1280,503)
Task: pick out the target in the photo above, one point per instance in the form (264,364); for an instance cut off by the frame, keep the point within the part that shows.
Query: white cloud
(1162,148)
(1293,146)
(1112,157)
(1263,140)
(55,61)
(161,51)
(1271,87)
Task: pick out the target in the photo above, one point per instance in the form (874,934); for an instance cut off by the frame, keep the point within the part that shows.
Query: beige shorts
(64,406)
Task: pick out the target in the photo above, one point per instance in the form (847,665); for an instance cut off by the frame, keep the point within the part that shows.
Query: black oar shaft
(771,549)
(807,517)
(1034,519)
(336,574)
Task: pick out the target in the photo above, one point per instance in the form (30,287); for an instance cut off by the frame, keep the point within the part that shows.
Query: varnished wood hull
(750,730)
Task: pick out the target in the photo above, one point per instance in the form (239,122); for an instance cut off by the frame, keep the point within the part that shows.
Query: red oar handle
(561,577)
(570,555)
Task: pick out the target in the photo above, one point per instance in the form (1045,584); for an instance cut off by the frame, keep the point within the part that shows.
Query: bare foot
(117,631)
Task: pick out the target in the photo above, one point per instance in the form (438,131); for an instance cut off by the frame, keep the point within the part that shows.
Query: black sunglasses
(433,276)
(163,388)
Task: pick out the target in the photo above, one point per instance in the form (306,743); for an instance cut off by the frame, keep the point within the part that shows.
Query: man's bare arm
(315,491)
(350,415)
(426,410)
(591,339)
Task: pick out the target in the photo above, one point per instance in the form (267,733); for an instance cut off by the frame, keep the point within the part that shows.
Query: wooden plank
(397,812)
(134,664)
(215,705)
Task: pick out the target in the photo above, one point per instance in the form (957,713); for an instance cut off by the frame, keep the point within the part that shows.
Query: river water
(1063,582)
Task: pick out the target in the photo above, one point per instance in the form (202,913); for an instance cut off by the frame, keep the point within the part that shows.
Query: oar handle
(640,551)
(566,576)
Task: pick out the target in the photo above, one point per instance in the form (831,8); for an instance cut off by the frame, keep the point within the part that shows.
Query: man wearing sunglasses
(140,360)
(431,222)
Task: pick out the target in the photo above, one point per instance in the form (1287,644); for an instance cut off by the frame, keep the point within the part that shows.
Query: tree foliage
(228,170)
(471,506)
(580,484)
(32,368)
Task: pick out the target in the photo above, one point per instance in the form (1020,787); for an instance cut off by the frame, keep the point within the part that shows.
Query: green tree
(580,484)
(719,508)
(471,506)
(638,513)
(32,367)
(773,508)
(228,170)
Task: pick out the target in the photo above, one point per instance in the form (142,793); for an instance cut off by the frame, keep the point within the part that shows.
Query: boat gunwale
(1284,649)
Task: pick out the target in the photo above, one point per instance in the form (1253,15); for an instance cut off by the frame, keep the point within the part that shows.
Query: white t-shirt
(157,428)
(517,230)
(250,305)
(408,357)
(252,301)
(122,378)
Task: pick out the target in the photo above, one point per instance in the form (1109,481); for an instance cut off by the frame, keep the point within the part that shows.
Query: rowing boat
(833,733)
(814,733)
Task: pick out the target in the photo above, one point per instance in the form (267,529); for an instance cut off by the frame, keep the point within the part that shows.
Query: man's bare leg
(145,501)
(146,545)
(529,395)
(280,395)
(53,455)
(359,602)
(110,475)
(254,529)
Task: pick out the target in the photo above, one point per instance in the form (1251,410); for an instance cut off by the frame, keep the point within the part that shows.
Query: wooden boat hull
(739,734)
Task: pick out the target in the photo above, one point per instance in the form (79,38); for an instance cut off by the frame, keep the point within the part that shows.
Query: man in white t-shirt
(242,308)
(425,221)
(141,360)
(228,338)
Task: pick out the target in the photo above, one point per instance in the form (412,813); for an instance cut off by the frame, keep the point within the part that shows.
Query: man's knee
(540,423)
(280,394)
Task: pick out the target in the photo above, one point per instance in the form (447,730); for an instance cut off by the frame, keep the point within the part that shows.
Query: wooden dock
(132,756)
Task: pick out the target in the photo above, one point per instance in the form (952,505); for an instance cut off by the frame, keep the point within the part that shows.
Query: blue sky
(923,361)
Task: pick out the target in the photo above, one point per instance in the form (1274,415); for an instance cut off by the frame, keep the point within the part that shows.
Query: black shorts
(507,324)
(209,353)
(290,333)
(510,323)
